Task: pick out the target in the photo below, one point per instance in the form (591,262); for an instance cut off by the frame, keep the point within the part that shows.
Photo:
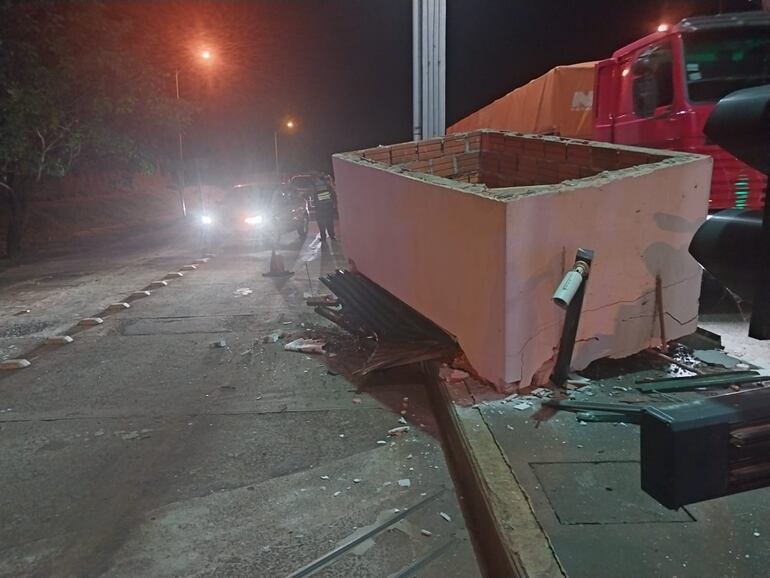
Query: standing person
(325,207)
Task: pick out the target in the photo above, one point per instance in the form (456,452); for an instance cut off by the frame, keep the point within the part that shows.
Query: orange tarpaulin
(559,102)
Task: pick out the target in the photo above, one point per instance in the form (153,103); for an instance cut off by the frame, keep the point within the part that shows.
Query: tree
(75,86)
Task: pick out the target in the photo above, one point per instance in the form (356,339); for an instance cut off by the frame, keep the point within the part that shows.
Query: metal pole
(275,139)
(416,68)
(181,155)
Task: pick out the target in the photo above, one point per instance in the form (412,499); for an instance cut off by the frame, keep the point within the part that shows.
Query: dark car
(306,184)
(263,211)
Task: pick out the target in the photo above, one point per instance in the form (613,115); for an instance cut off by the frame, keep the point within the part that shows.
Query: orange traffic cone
(276,267)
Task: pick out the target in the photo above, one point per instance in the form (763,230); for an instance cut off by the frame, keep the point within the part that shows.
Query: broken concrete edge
(506,535)
(512,193)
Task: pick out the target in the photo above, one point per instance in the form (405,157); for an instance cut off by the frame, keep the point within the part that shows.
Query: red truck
(656,92)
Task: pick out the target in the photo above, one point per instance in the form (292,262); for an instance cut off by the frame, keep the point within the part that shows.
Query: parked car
(262,211)
(305,184)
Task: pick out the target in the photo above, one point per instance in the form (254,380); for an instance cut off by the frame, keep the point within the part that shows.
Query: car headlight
(206,220)
(255,220)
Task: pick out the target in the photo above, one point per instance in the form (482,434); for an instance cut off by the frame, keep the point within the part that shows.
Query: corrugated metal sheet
(403,335)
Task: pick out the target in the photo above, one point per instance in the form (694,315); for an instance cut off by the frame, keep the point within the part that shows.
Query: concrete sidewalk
(575,506)
(143,449)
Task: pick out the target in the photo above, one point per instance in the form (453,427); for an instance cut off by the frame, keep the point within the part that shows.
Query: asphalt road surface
(146,448)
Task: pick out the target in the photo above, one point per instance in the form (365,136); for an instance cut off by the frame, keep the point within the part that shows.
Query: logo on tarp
(582,100)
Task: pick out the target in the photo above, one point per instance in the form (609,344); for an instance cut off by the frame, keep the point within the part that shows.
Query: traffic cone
(276,267)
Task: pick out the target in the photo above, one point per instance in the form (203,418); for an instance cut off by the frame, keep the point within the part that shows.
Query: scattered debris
(756,534)
(221,344)
(452,375)
(356,400)
(306,346)
(242,292)
(402,420)
(425,532)
(409,457)
(23,312)
(337,493)
(446,516)
(272,338)
(324,477)
(522,405)
(405,483)
(356,480)
(381,442)
(397,431)
(342,435)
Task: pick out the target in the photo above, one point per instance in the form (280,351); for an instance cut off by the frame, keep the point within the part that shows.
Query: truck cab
(658,92)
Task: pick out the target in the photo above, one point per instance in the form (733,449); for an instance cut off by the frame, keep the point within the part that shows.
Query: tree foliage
(76,86)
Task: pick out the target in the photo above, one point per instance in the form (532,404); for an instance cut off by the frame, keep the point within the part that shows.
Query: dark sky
(342,68)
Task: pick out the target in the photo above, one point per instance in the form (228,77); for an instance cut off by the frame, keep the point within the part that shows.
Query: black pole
(571,321)
(760,316)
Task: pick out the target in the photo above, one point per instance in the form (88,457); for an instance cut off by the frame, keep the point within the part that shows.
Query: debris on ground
(242,292)
(356,400)
(522,405)
(381,442)
(320,300)
(324,477)
(446,516)
(402,420)
(221,344)
(397,431)
(23,312)
(273,337)
(302,345)
(405,483)
(452,375)
(356,480)
(425,532)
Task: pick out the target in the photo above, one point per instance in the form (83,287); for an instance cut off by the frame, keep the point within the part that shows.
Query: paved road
(143,450)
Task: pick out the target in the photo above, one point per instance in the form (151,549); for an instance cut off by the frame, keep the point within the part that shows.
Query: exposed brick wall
(506,160)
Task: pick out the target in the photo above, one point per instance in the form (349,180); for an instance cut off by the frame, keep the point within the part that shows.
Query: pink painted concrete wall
(639,221)
(483,263)
(438,249)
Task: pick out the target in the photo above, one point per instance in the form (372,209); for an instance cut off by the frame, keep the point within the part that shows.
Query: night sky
(342,68)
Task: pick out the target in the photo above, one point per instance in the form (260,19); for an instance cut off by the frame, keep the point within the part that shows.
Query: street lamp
(204,55)
(289,125)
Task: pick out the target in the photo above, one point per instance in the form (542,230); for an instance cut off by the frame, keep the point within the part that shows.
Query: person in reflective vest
(325,208)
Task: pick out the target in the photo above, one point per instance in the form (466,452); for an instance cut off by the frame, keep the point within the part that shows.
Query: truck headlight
(206,220)
(255,220)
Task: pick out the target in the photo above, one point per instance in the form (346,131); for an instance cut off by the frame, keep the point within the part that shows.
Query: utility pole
(428,68)
(181,155)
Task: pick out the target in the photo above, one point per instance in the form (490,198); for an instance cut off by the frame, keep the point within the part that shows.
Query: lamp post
(204,55)
(289,124)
